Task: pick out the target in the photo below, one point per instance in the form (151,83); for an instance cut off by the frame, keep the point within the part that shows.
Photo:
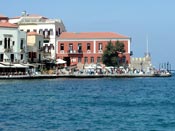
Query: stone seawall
(84,76)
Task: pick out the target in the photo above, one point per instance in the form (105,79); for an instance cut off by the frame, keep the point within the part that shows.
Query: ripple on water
(134,104)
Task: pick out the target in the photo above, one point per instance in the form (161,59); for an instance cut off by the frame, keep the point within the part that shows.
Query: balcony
(75,52)
(8,50)
(22,50)
(100,51)
(41,49)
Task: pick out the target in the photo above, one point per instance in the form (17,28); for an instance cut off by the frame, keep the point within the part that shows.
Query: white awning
(60,61)
(12,66)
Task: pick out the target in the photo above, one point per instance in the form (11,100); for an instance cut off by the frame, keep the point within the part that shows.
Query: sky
(139,19)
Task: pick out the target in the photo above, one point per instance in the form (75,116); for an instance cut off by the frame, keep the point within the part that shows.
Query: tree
(111,53)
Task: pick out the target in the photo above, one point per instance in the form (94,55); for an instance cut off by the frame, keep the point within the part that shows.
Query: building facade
(142,64)
(35,47)
(49,28)
(12,43)
(86,48)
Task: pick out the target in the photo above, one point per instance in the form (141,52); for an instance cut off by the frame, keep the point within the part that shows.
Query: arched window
(46,33)
(40,31)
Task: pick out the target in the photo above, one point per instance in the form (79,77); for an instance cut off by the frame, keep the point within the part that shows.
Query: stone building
(141,64)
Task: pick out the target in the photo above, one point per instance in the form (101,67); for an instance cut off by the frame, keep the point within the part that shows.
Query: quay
(54,76)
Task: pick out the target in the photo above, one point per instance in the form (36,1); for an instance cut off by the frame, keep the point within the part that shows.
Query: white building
(49,28)
(12,43)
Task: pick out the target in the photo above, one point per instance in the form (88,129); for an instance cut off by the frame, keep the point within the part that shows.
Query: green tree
(111,53)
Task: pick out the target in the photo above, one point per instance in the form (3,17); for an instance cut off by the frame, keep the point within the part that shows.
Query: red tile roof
(8,25)
(33,33)
(2,16)
(90,35)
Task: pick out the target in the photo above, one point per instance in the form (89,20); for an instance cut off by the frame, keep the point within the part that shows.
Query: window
(40,31)
(28,30)
(51,47)
(34,54)
(79,47)
(51,31)
(45,32)
(5,43)
(30,54)
(88,46)
(59,31)
(79,59)
(22,44)
(70,47)
(56,33)
(100,46)
(62,46)
(46,48)
(22,57)
(85,60)
(34,30)
(98,59)
(9,43)
(13,43)
(39,46)
(92,59)
(1,42)
(1,57)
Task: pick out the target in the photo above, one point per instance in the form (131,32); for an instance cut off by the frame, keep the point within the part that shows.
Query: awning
(60,61)
(12,65)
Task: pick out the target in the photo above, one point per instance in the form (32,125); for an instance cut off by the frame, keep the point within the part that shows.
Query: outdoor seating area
(12,69)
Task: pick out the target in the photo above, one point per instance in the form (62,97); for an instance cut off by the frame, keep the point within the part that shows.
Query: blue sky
(135,18)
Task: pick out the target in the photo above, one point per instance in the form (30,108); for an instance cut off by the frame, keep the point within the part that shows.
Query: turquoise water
(130,104)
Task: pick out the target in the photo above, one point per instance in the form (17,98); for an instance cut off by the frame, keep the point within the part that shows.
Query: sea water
(103,104)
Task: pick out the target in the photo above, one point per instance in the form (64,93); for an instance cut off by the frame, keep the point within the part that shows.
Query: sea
(93,104)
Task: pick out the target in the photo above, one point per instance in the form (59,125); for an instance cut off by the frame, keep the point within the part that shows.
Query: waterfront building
(49,28)
(34,47)
(87,47)
(12,43)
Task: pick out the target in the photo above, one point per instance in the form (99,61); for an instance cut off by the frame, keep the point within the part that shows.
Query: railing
(75,52)
(8,50)
(41,49)
(22,50)
(100,51)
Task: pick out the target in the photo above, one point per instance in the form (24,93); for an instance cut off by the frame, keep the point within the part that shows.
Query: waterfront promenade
(53,76)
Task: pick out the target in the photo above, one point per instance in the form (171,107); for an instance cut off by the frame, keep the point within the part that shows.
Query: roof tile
(8,25)
(90,35)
